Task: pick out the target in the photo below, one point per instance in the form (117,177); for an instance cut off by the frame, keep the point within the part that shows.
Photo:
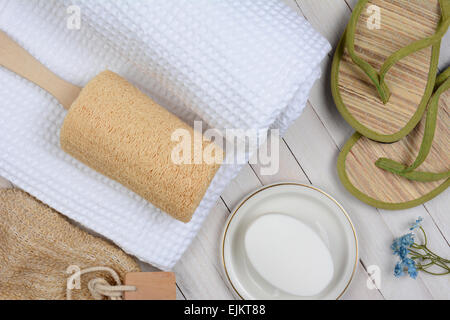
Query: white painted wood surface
(308,154)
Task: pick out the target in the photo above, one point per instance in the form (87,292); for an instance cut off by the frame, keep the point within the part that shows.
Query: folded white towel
(232,63)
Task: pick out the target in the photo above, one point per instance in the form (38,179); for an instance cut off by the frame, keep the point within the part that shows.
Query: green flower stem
(425,266)
(430,255)
(423,258)
(435,260)
(433,273)
(440,264)
(437,263)
(435,255)
(424,247)
(424,235)
(420,256)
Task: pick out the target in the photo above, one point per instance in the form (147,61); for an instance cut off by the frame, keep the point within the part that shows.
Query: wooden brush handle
(18,60)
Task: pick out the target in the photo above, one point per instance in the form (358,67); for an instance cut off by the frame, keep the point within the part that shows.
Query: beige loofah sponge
(120,132)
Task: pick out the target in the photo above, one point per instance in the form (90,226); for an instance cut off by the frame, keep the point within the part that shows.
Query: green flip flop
(402,40)
(406,173)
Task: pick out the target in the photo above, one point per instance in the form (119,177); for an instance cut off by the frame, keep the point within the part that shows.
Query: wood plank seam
(367,274)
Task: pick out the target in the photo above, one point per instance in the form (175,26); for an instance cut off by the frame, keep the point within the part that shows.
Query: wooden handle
(18,60)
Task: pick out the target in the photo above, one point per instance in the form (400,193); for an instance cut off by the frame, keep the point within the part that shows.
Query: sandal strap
(441,78)
(378,78)
(427,140)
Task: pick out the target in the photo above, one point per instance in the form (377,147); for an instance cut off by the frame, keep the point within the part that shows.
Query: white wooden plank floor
(308,154)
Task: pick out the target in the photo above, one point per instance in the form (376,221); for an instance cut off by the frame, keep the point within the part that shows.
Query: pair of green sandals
(399,158)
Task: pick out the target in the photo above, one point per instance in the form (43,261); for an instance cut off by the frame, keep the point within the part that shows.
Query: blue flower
(411,267)
(405,265)
(407,240)
(412,272)
(403,252)
(416,224)
(409,263)
(398,270)
(400,245)
(396,245)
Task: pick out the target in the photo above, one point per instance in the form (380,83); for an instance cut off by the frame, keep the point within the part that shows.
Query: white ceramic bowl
(310,206)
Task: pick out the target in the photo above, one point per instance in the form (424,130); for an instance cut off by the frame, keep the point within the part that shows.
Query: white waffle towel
(232,63)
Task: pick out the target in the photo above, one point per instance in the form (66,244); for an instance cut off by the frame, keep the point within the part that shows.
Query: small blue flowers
(417,257)
(398,270)
(405,265)
(400,248)
(410,266)
(401,245)
(416,224)
(403,252)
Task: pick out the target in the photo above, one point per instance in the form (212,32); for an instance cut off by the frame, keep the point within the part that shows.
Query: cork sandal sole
(383,189)
(410,80)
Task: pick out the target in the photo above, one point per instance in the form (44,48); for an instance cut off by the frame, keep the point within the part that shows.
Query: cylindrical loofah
(39,250)
(120,132)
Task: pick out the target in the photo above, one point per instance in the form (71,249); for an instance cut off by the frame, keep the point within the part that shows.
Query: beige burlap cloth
(40,249)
